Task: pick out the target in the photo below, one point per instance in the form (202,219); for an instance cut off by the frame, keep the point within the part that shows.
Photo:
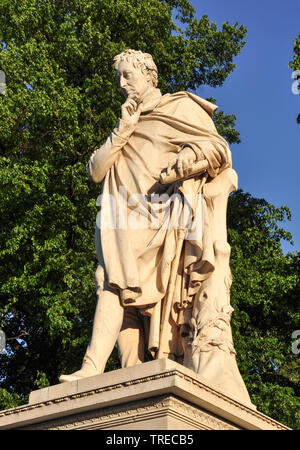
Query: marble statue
(163,278)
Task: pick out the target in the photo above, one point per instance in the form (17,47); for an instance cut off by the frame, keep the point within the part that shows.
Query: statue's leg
(107,324)
(131,339)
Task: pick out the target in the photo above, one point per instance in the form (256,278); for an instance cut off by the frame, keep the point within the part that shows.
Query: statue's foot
(71,377)
(77,375)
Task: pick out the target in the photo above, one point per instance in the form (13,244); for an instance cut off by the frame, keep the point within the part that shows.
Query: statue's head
(136,72)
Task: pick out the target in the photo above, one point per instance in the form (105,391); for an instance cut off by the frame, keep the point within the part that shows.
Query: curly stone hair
(139,59)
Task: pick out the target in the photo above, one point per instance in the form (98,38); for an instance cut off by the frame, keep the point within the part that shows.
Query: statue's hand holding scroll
(183,166)
(184,161)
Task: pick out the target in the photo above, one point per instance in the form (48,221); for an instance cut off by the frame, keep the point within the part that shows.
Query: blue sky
(259,93)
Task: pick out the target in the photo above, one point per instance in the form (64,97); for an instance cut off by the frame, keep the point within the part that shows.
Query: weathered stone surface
(157,395)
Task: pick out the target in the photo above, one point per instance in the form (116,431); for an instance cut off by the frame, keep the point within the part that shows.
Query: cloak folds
(137,229)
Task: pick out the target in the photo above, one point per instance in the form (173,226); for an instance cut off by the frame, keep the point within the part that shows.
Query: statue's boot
(107,324)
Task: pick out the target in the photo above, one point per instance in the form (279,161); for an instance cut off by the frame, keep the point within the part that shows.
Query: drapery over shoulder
(139,216)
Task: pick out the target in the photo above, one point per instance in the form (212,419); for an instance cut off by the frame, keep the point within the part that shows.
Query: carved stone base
(157,395)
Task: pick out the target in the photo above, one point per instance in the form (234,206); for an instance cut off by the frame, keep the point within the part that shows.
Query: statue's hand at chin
(131,110)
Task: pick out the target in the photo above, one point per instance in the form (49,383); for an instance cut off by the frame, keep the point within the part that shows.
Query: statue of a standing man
(163,277)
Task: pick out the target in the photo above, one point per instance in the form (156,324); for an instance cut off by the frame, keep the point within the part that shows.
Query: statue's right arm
(104,157)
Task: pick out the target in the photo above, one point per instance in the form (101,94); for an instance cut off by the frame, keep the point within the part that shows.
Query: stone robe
(137,229)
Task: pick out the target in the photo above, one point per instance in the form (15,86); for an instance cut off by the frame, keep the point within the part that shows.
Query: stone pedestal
(157,395)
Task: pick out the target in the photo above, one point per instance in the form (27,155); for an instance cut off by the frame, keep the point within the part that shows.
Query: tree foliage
(266,297)
(61,102)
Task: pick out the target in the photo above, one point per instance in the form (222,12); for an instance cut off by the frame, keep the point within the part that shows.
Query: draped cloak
(137,228)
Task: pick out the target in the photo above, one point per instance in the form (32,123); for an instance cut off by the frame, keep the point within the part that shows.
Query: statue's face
(132,80)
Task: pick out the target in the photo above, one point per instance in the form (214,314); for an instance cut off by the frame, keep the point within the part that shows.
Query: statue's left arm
(203,147)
